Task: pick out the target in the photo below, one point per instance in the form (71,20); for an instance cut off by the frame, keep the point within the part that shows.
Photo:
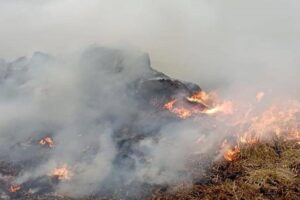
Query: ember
(47,141)
(14,188)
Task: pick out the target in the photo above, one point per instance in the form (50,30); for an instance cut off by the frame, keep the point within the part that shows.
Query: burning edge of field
(260,158)
(204,144)
(261,171)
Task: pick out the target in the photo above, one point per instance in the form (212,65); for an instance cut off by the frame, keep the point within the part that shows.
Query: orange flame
(47,141)
(229,153)
(200,97)
(251,125)
(62,173)
(279,120)
(232,154)
(200,103)
(226,108)
(14,188)
(179,111)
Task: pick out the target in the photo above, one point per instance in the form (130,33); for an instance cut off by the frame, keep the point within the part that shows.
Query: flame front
(280,120)
(249,123)
(62,173)
(198,103)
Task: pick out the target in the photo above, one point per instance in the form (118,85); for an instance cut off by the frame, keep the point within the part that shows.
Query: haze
(211,42)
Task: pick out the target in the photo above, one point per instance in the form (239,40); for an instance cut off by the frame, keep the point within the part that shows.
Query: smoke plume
(94,103)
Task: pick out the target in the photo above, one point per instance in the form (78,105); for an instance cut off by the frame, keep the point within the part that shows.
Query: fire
(62,173)
(47,141)
(229,153)
(200,97)
(182,112)
(280,120)
(249,123)
(169,105)
(14,188)
(226,107)
(179,111)
(232,154)
(198,103)
(247,139)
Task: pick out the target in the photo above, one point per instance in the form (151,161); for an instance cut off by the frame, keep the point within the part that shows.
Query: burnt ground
(262,171)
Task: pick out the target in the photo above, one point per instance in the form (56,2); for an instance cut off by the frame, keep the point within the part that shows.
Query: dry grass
(263,171)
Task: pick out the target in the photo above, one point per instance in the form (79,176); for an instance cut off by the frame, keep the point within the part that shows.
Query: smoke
(87,100)
(207,42)
(94,106)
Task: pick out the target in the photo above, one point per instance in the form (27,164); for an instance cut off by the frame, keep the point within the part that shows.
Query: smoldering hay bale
(103,110)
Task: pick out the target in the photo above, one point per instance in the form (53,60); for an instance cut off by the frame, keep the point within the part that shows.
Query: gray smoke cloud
(83,99)
(103,129)
(207,42)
